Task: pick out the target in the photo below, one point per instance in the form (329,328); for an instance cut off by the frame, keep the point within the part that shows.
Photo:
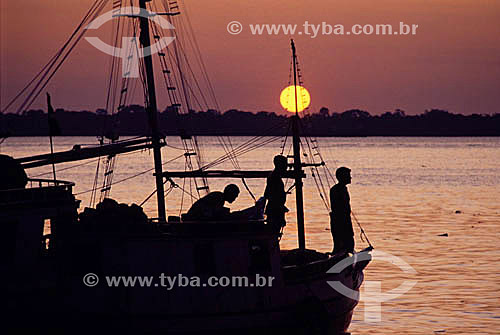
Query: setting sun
(287,98)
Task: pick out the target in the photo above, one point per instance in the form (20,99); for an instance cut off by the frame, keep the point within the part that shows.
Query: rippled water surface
(405,193)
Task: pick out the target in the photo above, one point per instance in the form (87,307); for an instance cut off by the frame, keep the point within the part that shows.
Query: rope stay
(362,231)
(35,86)
(188,93)
(248,189)
(174,79)
(311,151)
(177,59)
(118,95)
(135,175)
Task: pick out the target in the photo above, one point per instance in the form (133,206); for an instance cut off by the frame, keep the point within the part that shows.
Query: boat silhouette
(60,281)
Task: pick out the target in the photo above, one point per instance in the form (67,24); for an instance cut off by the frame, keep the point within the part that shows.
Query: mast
(152,111)
(297,164)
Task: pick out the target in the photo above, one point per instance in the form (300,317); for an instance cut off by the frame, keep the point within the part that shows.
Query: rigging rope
(248,189)
(314,151)
(153,193)
(247,146)
(182,196)
(94,186)
(180,57)
(193,145)
(66,168)
(81,164)
(136,175)
(50,69)
(240,150)
(362,233)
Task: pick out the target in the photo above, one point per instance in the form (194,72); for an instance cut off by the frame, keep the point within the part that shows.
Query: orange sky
(452,63)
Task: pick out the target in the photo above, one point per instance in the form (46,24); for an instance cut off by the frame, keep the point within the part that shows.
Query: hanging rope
(182,196)
(248,189)
(167,192)
(362,233)
(94,186)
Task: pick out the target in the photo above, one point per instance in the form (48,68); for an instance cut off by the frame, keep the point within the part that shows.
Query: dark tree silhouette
(132,120)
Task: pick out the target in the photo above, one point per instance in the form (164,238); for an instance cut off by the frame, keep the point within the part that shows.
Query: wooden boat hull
(48,290)
(301,302)
(328,314)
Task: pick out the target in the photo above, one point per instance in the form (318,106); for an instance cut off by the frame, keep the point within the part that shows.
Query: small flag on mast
(54,129)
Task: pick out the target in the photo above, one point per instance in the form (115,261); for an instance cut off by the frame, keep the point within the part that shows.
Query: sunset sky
(452,63)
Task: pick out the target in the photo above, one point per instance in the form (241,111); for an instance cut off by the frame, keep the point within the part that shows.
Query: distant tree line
(132,120)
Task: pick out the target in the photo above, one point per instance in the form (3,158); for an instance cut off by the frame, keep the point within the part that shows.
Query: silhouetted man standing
(340,217)
(276,195)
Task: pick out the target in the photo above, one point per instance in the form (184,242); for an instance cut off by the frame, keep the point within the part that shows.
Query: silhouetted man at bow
(340,217)
(276,195)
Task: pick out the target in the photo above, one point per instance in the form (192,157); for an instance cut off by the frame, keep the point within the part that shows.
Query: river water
(406,192)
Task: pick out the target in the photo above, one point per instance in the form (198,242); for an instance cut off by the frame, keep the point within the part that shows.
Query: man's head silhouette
(343,175)
(280,164)
(231,192)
